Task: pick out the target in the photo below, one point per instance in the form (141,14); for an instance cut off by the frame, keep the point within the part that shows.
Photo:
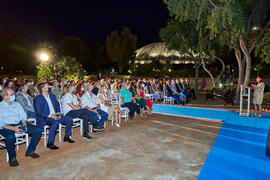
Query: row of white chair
(24,138)
(77,122)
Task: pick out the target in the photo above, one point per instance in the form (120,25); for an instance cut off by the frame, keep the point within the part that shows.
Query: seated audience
(183,88)
(26,101)
(112,110)
(56,90)
(79,91)
(91,102)
(48,112)
(12,118)
(10,84)
(154,89)
(71,107)
(138,99)
(127,101)
(170,93)
(140,91)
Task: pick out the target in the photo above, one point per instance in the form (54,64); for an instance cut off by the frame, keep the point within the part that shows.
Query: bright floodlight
(44,57)
(255,28)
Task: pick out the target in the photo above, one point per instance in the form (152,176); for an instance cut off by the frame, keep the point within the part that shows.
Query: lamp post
(44,58)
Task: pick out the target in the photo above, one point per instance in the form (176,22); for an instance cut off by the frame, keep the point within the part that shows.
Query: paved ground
(157,147)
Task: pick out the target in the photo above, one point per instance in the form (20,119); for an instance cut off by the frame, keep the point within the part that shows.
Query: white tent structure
(159,52)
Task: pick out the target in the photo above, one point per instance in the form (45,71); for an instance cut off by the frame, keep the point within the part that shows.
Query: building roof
(159,52)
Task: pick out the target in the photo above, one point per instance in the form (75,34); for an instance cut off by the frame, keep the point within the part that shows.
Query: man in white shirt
(13,120)
(90,101)
(71,107)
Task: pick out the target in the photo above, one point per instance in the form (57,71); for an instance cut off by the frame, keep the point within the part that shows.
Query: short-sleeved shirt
(66,99)
(126,95)
(89,100)
(11,113)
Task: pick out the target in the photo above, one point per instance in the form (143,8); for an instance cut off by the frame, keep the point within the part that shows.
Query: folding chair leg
(60,132)
(45,136)
(119,119)
(7,156)
(17,144)
(27,141)
(91,128)
(113,118)
(81,127)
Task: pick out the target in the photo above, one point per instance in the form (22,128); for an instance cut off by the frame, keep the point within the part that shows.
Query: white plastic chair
(167,99)
(45,133)
(116,99)
(152,97)
(20,139)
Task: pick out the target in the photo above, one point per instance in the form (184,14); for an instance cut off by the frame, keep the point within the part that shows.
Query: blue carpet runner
(238,152)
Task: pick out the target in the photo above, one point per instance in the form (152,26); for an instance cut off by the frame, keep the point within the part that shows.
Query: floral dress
(258,93)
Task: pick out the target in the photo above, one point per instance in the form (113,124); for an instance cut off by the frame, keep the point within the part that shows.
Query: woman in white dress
(107,107)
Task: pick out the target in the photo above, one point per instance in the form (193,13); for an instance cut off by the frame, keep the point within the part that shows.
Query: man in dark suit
(183,88)
(48,112)
(178,88)
(171,94)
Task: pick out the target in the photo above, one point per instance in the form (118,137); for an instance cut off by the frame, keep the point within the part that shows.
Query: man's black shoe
(98,128)
(52,146)
(32,155)
(13,162)
(86,136)
(67,139)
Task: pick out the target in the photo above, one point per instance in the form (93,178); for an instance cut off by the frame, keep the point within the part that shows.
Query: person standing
(99,76)
(258,96)
(203,83)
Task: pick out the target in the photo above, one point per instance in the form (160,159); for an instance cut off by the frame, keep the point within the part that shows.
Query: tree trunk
(120,66)
(240,72)
(168,65)
(209,73)
(223,67)
(197,65)
(248,61)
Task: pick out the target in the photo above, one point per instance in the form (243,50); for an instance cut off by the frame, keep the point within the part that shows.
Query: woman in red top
(140,91)
(80,91)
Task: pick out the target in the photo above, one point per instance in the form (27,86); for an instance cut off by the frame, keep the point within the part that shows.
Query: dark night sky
(36,21)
